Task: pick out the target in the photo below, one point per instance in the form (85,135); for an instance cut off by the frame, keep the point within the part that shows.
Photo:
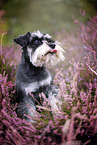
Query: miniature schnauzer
(32,76)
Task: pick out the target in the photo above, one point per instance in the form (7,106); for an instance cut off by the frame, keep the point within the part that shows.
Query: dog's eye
(52,45)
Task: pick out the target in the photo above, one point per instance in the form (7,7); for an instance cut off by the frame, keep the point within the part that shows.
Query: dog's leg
(25,102)
(25,108)
(53,103)
(53,92)
(55,100)
(31,110)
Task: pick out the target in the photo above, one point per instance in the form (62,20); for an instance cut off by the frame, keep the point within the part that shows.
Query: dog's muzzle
(51,52)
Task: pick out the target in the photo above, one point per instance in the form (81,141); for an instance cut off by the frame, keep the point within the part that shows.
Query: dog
(39,51)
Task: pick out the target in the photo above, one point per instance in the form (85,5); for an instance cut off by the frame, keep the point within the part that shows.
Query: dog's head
(41,49)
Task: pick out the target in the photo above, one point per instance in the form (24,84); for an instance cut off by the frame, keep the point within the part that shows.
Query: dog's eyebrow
(33,39)
(36,38)
(50,40)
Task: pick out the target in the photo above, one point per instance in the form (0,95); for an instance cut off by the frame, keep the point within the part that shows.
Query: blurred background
(49,16)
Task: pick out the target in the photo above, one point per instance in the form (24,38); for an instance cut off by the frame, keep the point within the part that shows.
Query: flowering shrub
(89,34)
(76,121)
(9,68)
(77,118)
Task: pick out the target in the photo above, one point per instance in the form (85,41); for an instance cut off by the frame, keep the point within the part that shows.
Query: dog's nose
(52,45)
(14,40)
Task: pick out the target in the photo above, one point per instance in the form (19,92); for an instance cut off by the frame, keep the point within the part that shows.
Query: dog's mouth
(51,52)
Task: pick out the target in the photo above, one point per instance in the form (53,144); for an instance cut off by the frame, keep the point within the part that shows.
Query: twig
(44,132)
(41,107)
(74,84)
(1,43)
(87,142)
(78,129)
(33,96)
(92,70)
(74,80)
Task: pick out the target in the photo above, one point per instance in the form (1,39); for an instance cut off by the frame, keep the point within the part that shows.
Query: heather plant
(76,119)
(89,34)
(7,61)
(75,123)
(9,67)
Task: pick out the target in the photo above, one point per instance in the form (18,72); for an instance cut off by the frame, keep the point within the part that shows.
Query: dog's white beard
(38,58)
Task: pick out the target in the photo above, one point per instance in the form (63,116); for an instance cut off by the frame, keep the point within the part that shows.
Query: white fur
(53,102)
(47,36)
(47,81)
(29,52)
(32,87)
(40,35)
(60,51)
(38,58)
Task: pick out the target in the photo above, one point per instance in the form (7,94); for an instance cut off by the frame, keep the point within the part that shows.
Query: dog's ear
(23,40)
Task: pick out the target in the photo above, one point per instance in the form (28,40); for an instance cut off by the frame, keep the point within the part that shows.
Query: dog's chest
(34,86)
